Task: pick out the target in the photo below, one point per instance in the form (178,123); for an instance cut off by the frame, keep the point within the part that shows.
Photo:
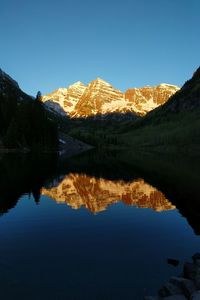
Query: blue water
(51,251)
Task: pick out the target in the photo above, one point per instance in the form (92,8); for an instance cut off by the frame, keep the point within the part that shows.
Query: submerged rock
(189,270)
(169,289)
(173,262)
(175,297)
(195,296)
(185,287)
(196,259)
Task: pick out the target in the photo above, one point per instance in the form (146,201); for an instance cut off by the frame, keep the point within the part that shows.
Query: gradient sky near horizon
(46,44)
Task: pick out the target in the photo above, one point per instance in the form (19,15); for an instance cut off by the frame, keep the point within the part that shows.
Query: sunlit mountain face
(101,98)
(96,194)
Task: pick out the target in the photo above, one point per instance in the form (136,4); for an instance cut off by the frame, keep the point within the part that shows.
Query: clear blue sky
(46,44)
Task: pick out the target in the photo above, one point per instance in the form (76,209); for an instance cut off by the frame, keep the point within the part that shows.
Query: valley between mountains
(163,118)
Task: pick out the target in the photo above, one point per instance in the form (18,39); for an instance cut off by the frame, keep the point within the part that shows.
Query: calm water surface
(75,230)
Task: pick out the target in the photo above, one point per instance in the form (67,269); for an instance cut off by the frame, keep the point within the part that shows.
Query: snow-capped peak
(166,85)
(101,98)
(62,90)
(101,81)
(76,84)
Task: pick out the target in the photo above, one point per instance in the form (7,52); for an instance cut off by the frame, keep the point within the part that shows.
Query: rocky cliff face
(147,98)
(67,98)
(96,194)
(101,98)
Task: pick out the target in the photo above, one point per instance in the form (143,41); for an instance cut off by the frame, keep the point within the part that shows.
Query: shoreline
(183,287)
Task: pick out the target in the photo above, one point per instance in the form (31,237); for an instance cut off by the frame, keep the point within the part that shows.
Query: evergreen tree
(39,96)
(26,124)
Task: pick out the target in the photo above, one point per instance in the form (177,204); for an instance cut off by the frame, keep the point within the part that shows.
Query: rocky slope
(96,194)
(101,98)
(21,117)
(147,98)
(66,98)
(172,127)
(10,88)
(187,99)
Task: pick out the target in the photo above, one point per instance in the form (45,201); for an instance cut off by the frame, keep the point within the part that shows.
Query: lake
(96,226)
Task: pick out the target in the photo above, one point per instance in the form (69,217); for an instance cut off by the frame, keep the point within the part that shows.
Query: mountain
(10,88)
(21,117)
(148,98)
(171,127)
(65,98)
(96,194)
(186,99)
(99,98)
(26,124)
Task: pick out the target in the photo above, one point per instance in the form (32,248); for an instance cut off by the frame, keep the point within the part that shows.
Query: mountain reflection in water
(96,180)
(52,251)
(96,194)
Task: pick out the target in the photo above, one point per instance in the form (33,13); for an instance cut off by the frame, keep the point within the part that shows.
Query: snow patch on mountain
(101,98)
(54,107)
(66,98)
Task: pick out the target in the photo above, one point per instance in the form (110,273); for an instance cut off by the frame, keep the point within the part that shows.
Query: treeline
(24,123)
(25,174)
(98,137)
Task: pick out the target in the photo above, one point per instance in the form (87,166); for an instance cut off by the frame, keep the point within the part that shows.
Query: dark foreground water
(93,227)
